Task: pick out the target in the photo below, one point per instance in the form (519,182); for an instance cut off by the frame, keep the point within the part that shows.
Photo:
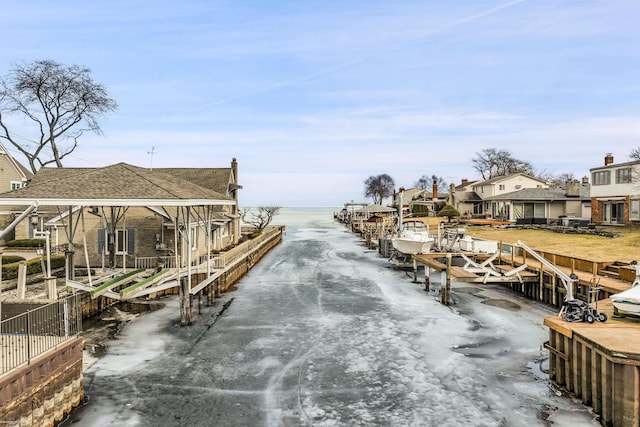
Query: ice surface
(325,332)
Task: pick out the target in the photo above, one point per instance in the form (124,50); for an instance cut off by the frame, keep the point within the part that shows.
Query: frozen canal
(324,332)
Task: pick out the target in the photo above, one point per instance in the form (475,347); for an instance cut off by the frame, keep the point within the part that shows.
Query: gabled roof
(409,193)
(496,179)
(375,208)
(216,179)
(616,165)
(116,185)
(467,196)
(19,167)
(542,194)
(467,184)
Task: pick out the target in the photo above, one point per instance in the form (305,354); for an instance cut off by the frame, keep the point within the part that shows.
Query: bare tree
(491,162)
(61,102)
(261,219)
(378,187)
(635,154)
(426,183)
(557,180)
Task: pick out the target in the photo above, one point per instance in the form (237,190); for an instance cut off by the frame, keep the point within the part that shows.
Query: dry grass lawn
(596,248)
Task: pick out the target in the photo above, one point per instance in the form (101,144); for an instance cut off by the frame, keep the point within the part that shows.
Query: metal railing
(154,261)
(218,261)
(36,331)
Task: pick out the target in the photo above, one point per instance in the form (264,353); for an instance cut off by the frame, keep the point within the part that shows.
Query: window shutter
(100,240)
(130,240)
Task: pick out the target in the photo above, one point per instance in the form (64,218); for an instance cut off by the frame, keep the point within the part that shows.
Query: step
(609,273)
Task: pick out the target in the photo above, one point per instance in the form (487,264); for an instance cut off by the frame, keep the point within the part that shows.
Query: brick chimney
(435,191)
(465,181)
(608,159)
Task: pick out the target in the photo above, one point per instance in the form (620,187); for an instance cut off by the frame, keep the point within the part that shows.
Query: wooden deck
(503,273)
(599,363)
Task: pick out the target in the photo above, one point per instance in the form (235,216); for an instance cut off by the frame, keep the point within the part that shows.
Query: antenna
(151,153)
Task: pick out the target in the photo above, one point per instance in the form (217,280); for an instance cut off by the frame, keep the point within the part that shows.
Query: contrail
(365,58)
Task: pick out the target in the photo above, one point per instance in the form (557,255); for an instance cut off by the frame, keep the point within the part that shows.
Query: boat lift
(573,309)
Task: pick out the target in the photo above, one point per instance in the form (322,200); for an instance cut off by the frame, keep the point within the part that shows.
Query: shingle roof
(501,178)
(375,208)
(542,194)
(216,179)
(121,182)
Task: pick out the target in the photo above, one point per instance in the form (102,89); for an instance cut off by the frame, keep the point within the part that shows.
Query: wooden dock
(480,272)
(598,363)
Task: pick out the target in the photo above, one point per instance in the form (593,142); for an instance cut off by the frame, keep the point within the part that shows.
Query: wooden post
(22,280)
(183,318)
(415,270)
(447,283)
(200,302)
(541,282)
(427,272)
(50,285)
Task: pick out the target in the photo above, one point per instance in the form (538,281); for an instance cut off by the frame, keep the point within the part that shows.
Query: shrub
(26,243)
(10,259)
(34,266)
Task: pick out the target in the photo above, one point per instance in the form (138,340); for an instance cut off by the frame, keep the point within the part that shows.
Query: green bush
(34,266)
(10,259)
(419,210)
(26,243)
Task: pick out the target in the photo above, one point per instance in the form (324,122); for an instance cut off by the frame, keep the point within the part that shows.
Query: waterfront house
(564,206)
(119,214)
(373,217)
(488,189)
(466,200)
(615,192)
(13,175)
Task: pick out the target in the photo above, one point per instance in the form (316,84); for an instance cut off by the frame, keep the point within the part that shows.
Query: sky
(314,97)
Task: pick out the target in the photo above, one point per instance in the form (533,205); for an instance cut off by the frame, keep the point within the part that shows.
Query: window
(529,210)
(601,178)
(501,187)
(121,241)
(634,212)
(15,185)
(194,237)
(623,176)
(613,212)
(123,244)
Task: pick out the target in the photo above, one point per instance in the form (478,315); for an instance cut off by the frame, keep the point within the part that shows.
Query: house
(487,191)
(465,200)
(413,200)
(120,214)
(546,205)
(373,216)
(13,175)
(419,202)
(615,192)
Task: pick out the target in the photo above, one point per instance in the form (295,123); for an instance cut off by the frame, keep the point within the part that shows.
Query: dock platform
(599,363)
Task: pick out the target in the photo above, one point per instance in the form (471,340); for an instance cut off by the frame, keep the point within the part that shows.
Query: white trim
(116,202)
(610,199)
